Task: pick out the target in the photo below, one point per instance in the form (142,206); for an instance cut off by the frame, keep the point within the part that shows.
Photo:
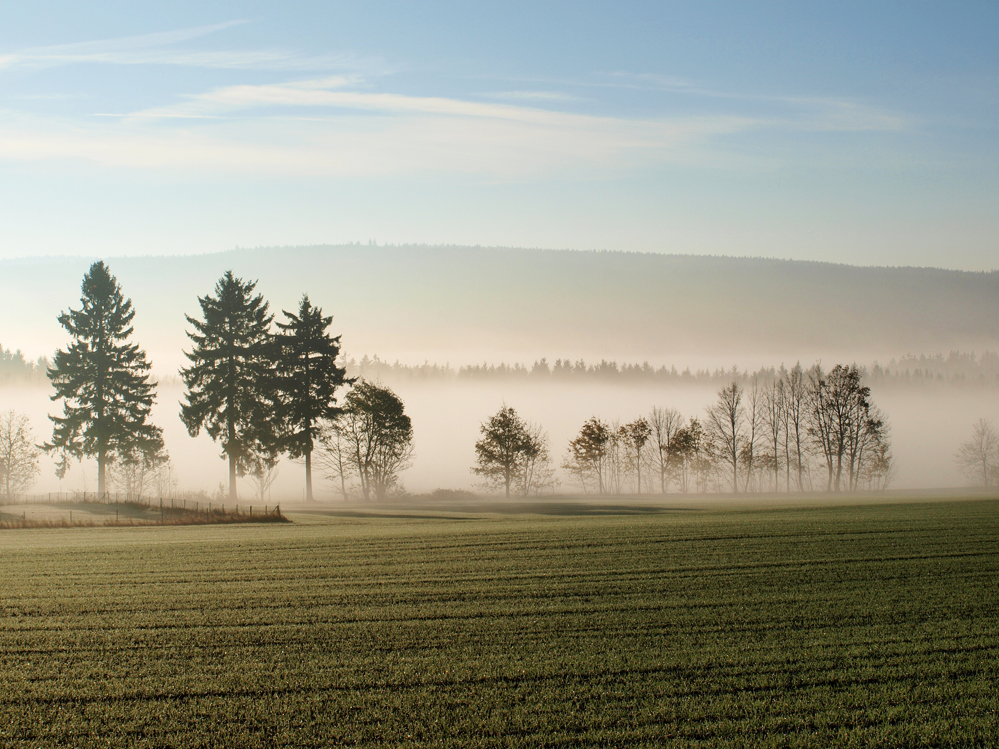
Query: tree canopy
(103,380)
(308,378)
(505,449)
(231,383)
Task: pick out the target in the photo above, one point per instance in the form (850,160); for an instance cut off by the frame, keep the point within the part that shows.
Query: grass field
(574,624)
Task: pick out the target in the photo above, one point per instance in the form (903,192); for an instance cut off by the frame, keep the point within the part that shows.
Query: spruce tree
(308,378)
(230,383)
(104,382)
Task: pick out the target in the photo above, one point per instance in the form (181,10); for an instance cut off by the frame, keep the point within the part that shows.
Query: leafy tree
(688,454)
(636,434)
(844,423)
(978,458)
(103,380)
(308,377)
(231,381)
(373,436)
(18,454)
(505,449)
(587,453)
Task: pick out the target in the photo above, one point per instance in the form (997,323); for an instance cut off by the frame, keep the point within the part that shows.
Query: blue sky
(850,132)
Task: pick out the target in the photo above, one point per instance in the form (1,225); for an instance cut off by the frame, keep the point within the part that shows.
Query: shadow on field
(472,509)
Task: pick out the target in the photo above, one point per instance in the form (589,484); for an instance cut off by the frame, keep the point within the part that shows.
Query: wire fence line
(162,504)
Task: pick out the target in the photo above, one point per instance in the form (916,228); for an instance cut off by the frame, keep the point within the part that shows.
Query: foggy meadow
(560,337)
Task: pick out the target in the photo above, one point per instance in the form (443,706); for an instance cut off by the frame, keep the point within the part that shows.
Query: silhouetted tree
(503,452)
(796,431)
(748,453)
(18,454)
(637,434)
(978,458)
(133,474)
(775,425)
(263,475)
(376,434)
(725,425)
(587,453)
(665,423)
(231,388)
(688,454)
(308,378)
(334,455)
(103,380)
(844,423)
(538,474)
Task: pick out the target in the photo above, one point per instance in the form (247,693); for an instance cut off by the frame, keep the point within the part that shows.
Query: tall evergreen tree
(307,380)
(231,382)
(104,382)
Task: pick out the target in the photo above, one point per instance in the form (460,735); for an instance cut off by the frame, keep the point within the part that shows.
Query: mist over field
(466,306)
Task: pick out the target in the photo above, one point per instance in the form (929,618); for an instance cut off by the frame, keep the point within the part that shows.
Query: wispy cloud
(331,126)
(534,96)
(162,48)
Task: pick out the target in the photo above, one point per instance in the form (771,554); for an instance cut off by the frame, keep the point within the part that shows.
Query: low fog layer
(464,305)
(469,305)
(927,425)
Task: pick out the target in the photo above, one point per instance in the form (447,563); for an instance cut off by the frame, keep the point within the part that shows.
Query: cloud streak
(161,48)
(330,127)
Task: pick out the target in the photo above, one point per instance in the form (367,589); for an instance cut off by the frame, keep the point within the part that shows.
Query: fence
(163,504)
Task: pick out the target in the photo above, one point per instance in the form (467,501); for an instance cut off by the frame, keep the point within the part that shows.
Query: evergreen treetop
(231,380)
(103,380)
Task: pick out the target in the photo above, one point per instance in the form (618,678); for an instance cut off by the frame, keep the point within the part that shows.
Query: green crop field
(564,624)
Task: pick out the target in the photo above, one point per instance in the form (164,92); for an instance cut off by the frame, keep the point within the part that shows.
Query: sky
(854,132)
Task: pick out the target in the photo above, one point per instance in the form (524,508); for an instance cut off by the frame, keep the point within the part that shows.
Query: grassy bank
(636,624)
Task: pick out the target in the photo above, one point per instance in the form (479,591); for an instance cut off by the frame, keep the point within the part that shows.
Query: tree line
(263,388)
(259,387)
(957,369)
(797,430)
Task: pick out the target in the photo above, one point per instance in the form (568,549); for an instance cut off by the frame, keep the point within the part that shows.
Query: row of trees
(257,391)
(957,368)
(777,434)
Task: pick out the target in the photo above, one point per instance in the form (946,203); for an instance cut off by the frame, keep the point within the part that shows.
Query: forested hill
(467,304)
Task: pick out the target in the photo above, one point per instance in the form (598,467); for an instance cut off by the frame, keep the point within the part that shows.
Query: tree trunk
(308,476)
(232,478)
(102,460)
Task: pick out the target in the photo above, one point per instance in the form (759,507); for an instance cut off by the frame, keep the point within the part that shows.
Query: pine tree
(307,380)
(230,383)
(104,382)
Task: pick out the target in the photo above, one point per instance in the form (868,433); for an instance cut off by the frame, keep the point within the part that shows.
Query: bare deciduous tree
(263,475)
(538,475)
(18,454)
(978,458)
(135,473)
(748,452)
(725,426)
(665,423)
